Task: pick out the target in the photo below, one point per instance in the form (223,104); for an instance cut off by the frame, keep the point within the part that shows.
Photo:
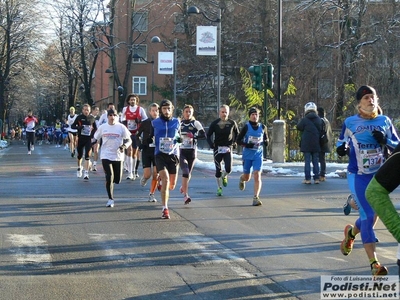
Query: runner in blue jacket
(363,138)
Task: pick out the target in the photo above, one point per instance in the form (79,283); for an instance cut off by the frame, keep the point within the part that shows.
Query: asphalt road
(59,241)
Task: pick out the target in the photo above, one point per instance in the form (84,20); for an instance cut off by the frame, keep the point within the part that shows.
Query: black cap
(166,102)
(364,90)
(253,110)
(112,112)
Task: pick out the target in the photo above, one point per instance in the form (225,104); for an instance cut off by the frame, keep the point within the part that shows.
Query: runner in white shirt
(102,120)
(72,133)
(115,139)
(30,121)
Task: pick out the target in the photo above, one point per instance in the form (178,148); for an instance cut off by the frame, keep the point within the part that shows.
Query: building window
(324,59)
(179,23)
(140,50)
(139,84)
(325,88)
(140,21)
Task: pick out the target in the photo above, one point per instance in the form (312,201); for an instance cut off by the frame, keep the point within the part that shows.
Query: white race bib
(86,130)
(132,125)
(187,142)
(166,145)
(224,149)
(256,141)
(372,159)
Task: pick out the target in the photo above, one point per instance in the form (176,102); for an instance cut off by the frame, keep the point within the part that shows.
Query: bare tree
(18,20)
(79,44)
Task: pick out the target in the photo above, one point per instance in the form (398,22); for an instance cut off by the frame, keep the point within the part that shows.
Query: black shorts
(134,142)
(170,162)
(148,158)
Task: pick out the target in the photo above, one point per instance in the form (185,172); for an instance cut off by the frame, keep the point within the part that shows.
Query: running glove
(342,150)
(379,136)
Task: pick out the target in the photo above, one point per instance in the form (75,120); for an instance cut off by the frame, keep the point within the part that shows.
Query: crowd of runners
(154,141)
(161,143)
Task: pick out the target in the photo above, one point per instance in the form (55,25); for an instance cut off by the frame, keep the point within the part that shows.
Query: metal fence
(293,149)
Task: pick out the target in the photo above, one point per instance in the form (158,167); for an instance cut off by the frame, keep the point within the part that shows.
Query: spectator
(310,127)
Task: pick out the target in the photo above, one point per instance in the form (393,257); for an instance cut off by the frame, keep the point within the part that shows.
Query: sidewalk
(206,161)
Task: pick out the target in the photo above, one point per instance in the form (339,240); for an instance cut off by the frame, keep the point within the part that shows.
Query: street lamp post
(175,69)
(137,56)
(157,39)
(196,10)
(120,89)
(279,58)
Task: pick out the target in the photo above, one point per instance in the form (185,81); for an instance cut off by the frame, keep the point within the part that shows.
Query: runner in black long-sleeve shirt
(145,141)
(86,126)
(225,132)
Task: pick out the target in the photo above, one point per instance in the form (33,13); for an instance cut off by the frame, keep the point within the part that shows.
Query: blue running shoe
(347,206)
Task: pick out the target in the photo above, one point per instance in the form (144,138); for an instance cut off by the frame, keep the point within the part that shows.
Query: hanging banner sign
(206,40)
(165,62)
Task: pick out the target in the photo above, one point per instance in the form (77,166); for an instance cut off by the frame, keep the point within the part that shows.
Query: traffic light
(257,73)
(270,76)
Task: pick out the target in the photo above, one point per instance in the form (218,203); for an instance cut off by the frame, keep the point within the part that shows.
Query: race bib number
(372,159)
(256,141)
(132,125)
(86,130)
(166,145)
(223,149)
(187,142)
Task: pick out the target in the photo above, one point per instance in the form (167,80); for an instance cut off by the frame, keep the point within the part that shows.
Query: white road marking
(208,250)
(337,235)
(30,249)
(107,245)
(389,253)
(382,252)
(110,242)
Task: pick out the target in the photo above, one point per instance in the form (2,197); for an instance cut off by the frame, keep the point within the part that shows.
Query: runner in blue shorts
(253,137)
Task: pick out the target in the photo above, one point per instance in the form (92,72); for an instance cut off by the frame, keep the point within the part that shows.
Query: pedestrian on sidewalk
(221,137)
(30,121)
(362,138)
(253,137)
(145,142)
(115,138)
(326,143)
(167,139)
(310,128)
(191,131)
